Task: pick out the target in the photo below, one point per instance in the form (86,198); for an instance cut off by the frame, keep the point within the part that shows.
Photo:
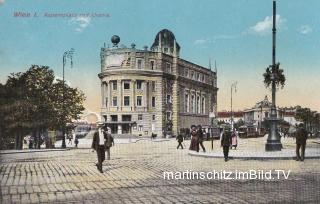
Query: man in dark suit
(226,142)
(301,140)
(109,142)
(99,145)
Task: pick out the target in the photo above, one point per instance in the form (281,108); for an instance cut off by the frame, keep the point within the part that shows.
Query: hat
(100,124)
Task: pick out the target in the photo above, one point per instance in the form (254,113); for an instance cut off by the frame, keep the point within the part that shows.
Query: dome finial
(115,40)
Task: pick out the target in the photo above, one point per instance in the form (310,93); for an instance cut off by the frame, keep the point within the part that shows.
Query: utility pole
(233,88)
(273,141)
(67,54)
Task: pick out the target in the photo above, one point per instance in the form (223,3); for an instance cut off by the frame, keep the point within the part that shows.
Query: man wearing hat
(226,142)
(109,142)
(301,140)
(99,145)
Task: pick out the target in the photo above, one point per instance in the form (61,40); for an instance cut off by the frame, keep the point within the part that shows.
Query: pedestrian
(301,140)
(70,140)
(109,142)
(99,145)
(234,139)
(180,140)
(200,137)
(225,143)
(76,142)
(194,145)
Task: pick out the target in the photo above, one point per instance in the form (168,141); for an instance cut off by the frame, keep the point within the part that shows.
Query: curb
(252,157)
(35,151)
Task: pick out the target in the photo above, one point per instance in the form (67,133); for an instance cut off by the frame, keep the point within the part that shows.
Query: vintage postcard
(122,101)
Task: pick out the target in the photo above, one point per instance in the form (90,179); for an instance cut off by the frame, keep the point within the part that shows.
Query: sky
(234,33)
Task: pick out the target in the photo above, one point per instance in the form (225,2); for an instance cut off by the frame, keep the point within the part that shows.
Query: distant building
(257,114)
(154,91)
(225,116)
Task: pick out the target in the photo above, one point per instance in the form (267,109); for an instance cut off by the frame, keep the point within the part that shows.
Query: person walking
(234,139)
(301,140)
(225,143)
(194,145)
(109,142)
(99,145)
(200,136)
(180,140)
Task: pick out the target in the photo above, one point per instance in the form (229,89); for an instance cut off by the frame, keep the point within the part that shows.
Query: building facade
(154,91)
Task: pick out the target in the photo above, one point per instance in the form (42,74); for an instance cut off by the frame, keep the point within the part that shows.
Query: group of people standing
(197,135)
(229,139)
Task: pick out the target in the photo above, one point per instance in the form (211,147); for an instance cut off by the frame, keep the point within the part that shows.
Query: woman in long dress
(194,145)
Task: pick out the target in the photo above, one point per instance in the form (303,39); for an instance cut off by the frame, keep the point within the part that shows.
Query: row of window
(152,64)
(194,75)
(114,118)
(197,104)
(126,101)
(127,85)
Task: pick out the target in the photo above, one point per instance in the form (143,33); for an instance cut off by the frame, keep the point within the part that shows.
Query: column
(144,97)
(133,95)
(109,95)
(119,94)
(102,95)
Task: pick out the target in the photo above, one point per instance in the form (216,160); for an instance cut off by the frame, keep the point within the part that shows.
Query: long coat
(301,136)
(226,139)
(96,140)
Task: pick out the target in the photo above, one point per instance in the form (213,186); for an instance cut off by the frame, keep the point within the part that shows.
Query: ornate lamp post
(67,54)
(273,141)
(233,88)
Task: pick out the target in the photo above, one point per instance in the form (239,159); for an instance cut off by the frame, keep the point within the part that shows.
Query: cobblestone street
(135,175)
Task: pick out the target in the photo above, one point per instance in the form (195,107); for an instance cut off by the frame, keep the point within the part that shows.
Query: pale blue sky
(236,33)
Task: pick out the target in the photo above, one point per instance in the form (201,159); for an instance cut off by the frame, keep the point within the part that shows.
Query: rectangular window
(186,103)
(126,117)
(139,100)
(139,84)
(152,65)
(126,100)
(168,99)
(168,115)
(186,72)
(203,105)
(153,86)
(140,127)
(153,101)
(198,77)
(192,75)
(114,118)
(139,63)
(140,117)
(192,104)
(203,78)
(126,85)
(168,67)
(153,117)
(114,101)
(198,104)
(114,85)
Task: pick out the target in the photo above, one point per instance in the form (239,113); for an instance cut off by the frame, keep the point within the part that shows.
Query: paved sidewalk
(254,149)
(135,174)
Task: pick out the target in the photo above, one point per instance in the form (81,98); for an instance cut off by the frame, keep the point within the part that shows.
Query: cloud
(80,23)
(264,27)
(305,29)
(213,39)
(56,78)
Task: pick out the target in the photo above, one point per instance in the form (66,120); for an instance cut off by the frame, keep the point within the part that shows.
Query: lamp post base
(273,146)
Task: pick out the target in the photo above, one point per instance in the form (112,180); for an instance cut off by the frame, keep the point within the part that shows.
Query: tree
(31,102)
(279,77)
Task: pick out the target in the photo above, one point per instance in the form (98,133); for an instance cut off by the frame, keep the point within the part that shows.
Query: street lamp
(66,55)
(273,141)
(233,88)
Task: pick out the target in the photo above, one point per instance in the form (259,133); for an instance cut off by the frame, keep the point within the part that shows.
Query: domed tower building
(154,91)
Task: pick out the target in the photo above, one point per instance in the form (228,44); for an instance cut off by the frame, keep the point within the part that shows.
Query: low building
(225,116)
(154,91)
